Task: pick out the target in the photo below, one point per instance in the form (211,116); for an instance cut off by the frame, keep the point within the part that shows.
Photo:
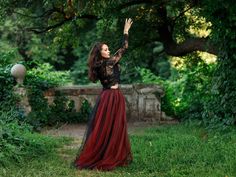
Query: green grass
(182,150)
(161,151)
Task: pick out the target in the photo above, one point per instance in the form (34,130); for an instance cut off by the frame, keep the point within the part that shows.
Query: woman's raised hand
(128,23)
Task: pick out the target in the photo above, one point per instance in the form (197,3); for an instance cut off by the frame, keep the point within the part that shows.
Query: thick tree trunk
(165,30)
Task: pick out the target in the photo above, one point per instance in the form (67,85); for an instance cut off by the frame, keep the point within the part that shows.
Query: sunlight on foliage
(200,27)
(208,58)
(60,77)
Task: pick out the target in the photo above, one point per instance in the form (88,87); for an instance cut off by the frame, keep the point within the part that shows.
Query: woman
(106,143)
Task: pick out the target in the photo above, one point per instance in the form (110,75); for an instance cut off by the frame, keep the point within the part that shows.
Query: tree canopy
(164,21)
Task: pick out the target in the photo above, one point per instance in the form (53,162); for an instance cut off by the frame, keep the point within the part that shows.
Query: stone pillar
(18,71)
(149,102)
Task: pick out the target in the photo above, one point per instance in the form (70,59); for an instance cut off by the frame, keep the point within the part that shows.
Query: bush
(7,83)
(62,111)
(37,81)
(18,142)
(185,97)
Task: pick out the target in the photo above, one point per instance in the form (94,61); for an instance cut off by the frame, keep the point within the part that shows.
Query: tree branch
(188,46)
(134,2)
(46,29)
(45,14)
(39,30)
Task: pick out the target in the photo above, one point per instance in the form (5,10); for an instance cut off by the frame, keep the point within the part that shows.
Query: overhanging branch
(39,30)
(45,14)
(189,46)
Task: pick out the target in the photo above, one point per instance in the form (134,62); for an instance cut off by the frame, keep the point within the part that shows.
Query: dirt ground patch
(77,130)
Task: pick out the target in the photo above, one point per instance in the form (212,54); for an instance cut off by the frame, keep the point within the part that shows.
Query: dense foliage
(188,92)
(167,40)
(18,142)
(39,80)
(220,110)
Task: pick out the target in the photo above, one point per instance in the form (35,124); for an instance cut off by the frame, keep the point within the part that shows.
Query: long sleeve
(119,53)
(109,71)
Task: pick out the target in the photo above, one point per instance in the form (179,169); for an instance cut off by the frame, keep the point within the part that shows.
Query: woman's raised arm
(117,56)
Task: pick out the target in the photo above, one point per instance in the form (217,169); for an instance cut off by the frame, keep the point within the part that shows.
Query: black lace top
(108,70)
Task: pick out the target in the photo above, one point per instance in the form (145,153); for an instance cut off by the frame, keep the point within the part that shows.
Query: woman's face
(105,53)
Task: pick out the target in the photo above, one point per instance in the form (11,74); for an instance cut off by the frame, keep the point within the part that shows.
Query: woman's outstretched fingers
(130,20)
(128,23)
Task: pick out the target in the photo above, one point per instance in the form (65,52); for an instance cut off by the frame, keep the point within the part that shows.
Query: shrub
(18,142)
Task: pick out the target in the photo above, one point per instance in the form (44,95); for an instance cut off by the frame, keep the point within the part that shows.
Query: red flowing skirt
(106,144)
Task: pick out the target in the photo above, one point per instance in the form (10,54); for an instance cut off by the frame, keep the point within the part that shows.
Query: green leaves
(218,110)
(18,143)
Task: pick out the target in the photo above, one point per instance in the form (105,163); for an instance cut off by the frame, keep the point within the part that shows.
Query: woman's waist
(116,86)
(111,86)
(110,83)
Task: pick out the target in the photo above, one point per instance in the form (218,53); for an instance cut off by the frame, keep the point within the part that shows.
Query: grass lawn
(161,151)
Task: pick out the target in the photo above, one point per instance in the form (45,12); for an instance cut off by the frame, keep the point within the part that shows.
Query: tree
(161,17)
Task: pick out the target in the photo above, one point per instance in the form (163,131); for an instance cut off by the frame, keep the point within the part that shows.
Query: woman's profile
(106,144)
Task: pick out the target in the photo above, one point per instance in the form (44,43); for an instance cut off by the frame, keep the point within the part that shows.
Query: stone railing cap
(148,88)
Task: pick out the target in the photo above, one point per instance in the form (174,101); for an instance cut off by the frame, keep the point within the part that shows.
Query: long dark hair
(93,60)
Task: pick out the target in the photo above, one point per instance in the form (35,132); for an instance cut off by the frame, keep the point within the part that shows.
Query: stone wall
(143,102)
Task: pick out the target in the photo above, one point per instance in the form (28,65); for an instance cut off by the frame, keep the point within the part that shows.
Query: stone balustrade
(143,101)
